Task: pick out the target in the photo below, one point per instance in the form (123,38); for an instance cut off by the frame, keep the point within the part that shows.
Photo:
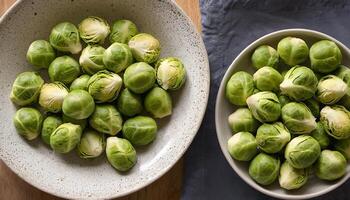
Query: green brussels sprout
(65,137)
(122,31)
(325,56)
(52,95)
(239,87)
(145,48)
(300,83)
(158,102)
(78,104)
(298,118)
(171,73)
(139,77)
(330,89)
(117,57)
(242,120)
(291,178)
(283,99)
(331,165)
(242,146)
(271,138)
(65,37)
(343,73)
(94,30)
(26,88)
(120,153)
(104,86)
(140,130)
(314,107)
(267,79)
(343,146)
(264,169)
(91,145)
(91,59)
(292,50)
(302,151)
(106,119)
(40,54)
(28,122)
(265,56)
(64,69)
(129,104)
(81,83)
(81,122)
(264,106)
(336,121)
(320,135)
(49,125)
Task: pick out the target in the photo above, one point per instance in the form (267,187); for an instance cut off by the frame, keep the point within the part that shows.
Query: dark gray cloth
(228,27)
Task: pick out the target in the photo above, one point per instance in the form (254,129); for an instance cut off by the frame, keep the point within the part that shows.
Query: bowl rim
(228,73)
(202,111)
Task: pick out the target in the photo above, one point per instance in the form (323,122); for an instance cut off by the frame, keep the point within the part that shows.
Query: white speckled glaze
(67,175)
(314,187)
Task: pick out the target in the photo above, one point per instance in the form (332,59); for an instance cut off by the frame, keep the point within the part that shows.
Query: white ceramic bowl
(68,175)
(223,109)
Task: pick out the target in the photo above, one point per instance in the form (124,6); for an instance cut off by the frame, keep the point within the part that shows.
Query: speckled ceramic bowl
(314,187)
(67,175)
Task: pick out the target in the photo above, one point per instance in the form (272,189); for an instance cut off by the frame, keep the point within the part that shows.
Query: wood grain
(168,187)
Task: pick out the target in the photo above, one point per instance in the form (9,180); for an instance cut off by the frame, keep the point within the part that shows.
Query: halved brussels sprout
(28,122)
(140,130)
(264,169)
(314,107)
(320,135)
(264,106)
(40,54)
(239,87)
(65,137)
(49,126)
(26,88)
(242,120)
(283,99)
(298,118)
(292,50)
(81,122)
(265,56)
(94,30)
(65,37)
(158,102)
(117,57)
(91,145)
(78,104)
(267,79)
(331,165)
(139,77)
(52,95)
(145,48)
(171,73)
(106,119)
(331,89)
(242,146)
(129,104)
(120,153)
(81,83)
(122,31)
(325,56)
(64,69)
(336,121)
(271,138)
(91,59)
(291,178)
(343,146)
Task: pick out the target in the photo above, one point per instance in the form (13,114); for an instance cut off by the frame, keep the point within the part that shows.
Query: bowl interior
(314,187)
(68,175)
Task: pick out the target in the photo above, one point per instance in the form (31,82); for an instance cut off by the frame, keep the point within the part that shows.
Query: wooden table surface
(167,187)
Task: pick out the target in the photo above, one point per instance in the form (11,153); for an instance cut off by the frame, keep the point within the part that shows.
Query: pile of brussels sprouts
(294,119)
(109,92)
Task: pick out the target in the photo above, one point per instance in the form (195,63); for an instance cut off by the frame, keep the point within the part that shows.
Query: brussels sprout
(91,145)
(264,169)
(104,86)
(320,135)
(325,56)
(145,48)
(28,122)
(91,59)
(26,88)
(239,87)
(264,106)
(64,69)
(300,83)
(122,31)
(336,121)
(267,79)
(343,73)
(283,99)
(314,107)
(302,151)
(265,56)
(343,146)
(94,30)
(298,118)
(271,138)
(117,57)
(78,104)
(106,119)
(40,54)
(171,73)
(140,130)
(65,137)
(158,103)
(81,83)
(120,153)
(81,122)
(129,104)
(65,37)
(330,89)
(345,100)
(49,125)
(292,50)
(139,77)
(331,165)
(291,178)
(242,120)
(52,95)
(242,146)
